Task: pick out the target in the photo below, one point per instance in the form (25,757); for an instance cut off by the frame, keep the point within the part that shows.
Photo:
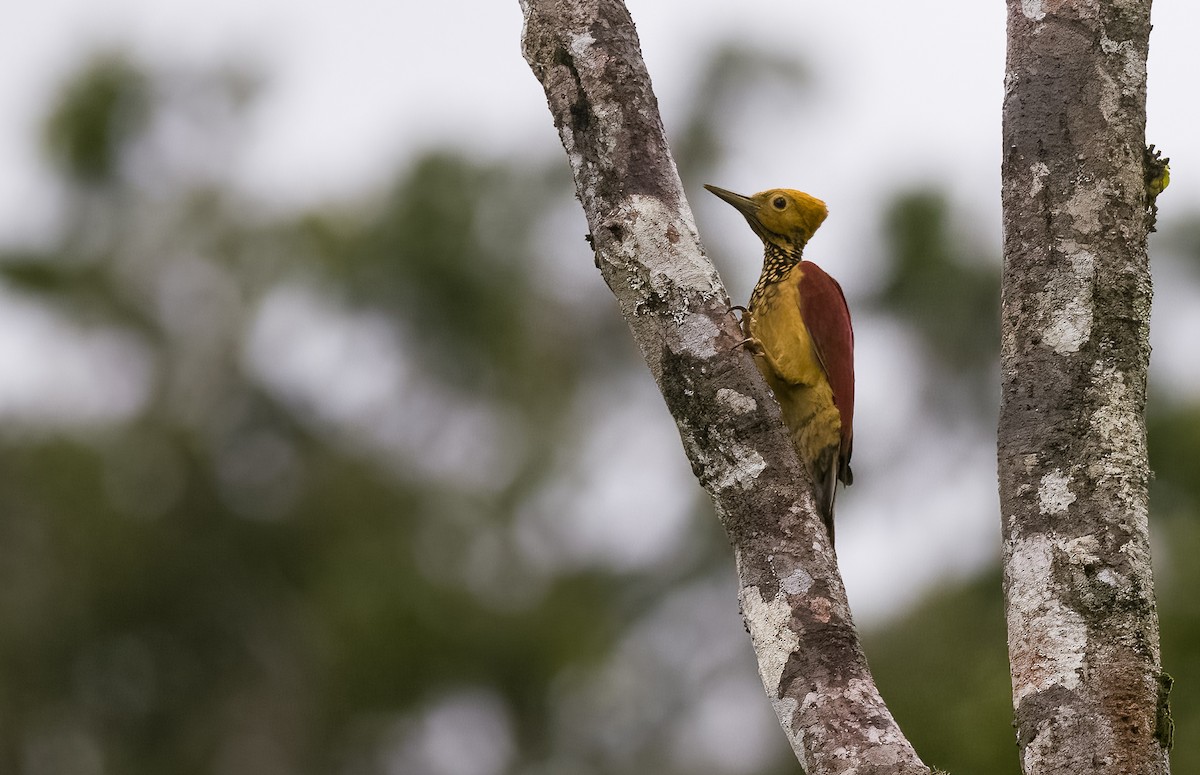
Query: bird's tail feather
(825,476)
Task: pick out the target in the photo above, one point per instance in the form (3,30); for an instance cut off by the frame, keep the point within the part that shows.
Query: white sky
(908,90)
(906,93)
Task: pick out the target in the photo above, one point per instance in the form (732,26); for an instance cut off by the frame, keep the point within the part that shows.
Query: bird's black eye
(779,203)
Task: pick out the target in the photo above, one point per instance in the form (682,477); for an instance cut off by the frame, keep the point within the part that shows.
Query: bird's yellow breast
(778,326)
(790,364)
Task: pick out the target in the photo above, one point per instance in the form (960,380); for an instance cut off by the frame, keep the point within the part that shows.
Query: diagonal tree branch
(1088,691)
(587,57)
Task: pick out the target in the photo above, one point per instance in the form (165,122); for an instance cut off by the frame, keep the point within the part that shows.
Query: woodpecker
(797,324)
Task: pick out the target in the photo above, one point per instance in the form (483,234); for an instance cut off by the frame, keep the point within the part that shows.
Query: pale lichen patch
(1116,422)
(797,582)
(862,692)
(1011,79)
(722,462)
(670,250)
(698,336)
(1067,302)
(1034,10)
(657,251)
(1132,71)
(1046,646)
(581,43)
(1039,171)
(1111,578)
(739,403)
(744,472)
(1117,426)
(1085,206)
(1084,550)
(774,641)
(1054,494)
(1069,328)
(1083,262)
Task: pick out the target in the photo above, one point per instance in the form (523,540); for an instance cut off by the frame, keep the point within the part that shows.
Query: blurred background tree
(353,490)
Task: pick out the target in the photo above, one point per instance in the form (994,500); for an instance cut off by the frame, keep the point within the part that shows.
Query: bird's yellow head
(781,216)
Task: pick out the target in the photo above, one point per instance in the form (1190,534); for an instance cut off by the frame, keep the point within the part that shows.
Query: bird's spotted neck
(777,262)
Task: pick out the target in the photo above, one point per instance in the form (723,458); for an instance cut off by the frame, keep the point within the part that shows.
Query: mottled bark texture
(1082,628)
(587,57)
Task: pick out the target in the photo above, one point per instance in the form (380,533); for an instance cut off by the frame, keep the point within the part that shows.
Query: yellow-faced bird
(798,327)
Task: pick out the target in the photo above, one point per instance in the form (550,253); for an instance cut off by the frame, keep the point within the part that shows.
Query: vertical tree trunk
(587,57)
(1083,631)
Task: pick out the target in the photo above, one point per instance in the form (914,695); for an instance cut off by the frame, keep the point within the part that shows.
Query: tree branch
(1083,632)
(587,57)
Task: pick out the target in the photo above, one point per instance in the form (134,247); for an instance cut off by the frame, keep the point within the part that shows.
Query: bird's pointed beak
(744,204)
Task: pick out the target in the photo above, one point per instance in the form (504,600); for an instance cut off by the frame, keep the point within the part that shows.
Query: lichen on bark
(1083,632)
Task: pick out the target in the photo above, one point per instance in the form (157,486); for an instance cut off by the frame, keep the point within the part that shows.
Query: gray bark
(1079,596)
(587,57)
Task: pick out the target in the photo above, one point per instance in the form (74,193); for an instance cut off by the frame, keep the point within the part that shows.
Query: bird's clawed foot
(752,345)
(743,319)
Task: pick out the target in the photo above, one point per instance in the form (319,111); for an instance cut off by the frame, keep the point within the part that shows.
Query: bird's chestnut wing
(827,317)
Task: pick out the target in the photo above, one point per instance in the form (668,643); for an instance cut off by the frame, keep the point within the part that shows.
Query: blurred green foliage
(946,287)
(246,574)
(1174,438)
(100,111)
(944,672)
